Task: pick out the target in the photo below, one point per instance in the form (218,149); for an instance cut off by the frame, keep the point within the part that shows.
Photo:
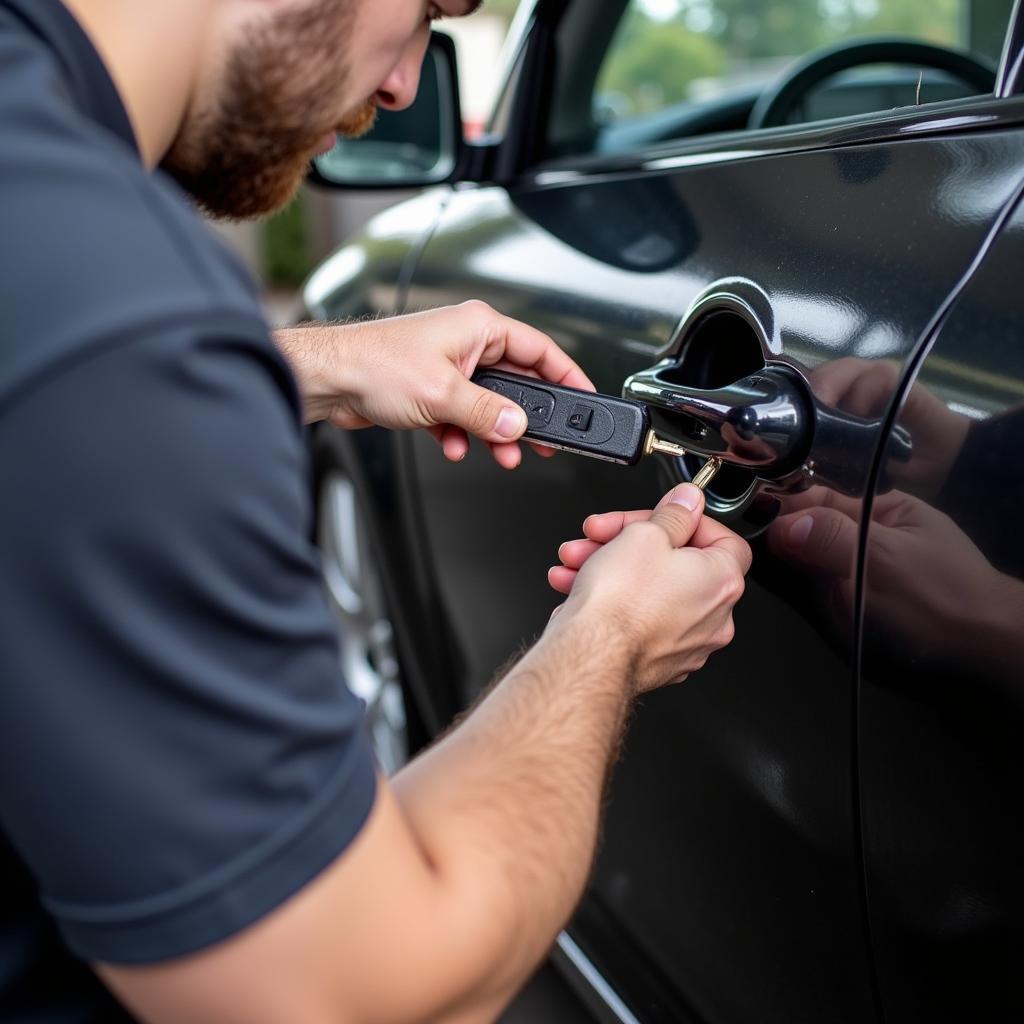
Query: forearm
(507,806)
(310,350)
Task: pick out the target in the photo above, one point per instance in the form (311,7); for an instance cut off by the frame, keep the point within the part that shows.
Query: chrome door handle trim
(769,423)
(762,422)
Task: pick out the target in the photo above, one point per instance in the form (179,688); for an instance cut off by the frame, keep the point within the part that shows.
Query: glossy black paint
(819,826)
(942,688)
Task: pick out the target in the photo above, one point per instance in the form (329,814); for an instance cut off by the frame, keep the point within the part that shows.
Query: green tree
(653,63)
(938,21)
(753,29)
(287,255)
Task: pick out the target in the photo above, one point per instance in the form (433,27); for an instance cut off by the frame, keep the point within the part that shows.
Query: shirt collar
(90,85)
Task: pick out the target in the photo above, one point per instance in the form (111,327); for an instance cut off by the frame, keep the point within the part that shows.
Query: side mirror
(411,148)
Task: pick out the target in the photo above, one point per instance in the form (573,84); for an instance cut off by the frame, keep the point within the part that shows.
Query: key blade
(653,443)
(707,472)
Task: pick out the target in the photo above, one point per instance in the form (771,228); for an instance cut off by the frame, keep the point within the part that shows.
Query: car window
(678,68)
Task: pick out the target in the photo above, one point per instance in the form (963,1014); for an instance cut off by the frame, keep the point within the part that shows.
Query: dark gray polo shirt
(178,752)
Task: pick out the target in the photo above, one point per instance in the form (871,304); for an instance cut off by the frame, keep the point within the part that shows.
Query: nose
(398,90)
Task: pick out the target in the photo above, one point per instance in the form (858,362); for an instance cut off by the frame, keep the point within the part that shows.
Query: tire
(355,592)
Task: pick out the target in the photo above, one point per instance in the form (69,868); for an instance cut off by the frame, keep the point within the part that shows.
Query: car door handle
(768,422)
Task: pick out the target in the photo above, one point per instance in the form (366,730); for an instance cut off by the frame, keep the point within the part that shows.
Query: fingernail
(800,531)
(511,422)
(688,496)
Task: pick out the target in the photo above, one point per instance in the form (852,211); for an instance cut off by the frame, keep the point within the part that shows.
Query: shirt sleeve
(178,751)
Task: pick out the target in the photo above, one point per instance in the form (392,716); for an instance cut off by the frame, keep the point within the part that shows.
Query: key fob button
(580,417)
(600,426)
(598,423)
(537,403)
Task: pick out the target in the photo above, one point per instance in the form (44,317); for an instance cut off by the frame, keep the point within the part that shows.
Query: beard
(247,154)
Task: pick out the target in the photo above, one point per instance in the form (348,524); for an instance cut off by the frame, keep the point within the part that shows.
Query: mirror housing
(413,148)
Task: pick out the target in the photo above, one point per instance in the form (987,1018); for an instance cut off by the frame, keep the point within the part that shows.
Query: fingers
(452,440)
(693,528)
(870,394)
(860,386)
(712,535)
(454,443)
(679,512)
(606,526)
(561,579)
(523,349)
(508,456)
(482,413)
(573,553)
(822,497)
(831,380)
(821,539)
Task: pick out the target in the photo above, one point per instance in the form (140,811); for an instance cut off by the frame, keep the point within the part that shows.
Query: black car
(823,824)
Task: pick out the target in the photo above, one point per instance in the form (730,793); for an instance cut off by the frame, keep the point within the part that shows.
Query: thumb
(679,513)
(820,539)
(483,413)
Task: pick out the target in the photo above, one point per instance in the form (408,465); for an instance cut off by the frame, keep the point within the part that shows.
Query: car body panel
(855,249)
(941,700)
(730,886)
(369,275)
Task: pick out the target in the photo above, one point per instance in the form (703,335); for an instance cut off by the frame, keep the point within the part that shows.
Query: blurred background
(667,52)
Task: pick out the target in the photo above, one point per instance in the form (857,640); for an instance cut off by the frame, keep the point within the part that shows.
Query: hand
(663,582)
(865,387)
(413,371)
(929,588)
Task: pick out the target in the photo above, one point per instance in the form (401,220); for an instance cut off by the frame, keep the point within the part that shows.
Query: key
(707,472)
(598,426)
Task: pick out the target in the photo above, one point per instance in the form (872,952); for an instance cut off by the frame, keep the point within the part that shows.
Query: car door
(940,702)
(730,881)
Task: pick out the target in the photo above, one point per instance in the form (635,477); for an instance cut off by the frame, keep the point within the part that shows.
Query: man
(191,825)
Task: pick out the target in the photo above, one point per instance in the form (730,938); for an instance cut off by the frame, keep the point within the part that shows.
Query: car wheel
(369,656)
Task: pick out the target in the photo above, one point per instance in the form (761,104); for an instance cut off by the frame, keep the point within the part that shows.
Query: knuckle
(474,305)
(482,414)
(889,372)
(434,396)
(478,309)
(640,530)
(434,392)
(736,586)
(672,519)
(746,557)
(726,634)
(833,527)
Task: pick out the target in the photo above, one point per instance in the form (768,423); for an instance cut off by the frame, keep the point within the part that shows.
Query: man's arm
(413,371)
(475,856)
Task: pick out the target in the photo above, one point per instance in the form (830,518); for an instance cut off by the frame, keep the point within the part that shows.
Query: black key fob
(599,426)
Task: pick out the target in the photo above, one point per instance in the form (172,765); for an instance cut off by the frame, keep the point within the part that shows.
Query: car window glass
(679,68)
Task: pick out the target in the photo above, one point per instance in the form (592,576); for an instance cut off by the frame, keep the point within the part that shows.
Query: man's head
(281,77)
